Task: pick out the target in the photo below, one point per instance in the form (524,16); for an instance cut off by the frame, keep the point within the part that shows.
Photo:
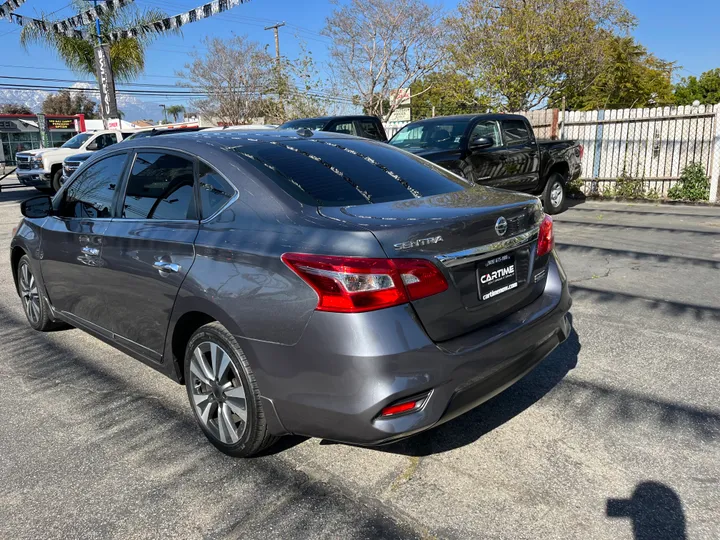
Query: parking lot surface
(615,435)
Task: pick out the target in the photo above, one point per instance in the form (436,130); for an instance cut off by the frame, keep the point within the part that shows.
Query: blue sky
(687,34)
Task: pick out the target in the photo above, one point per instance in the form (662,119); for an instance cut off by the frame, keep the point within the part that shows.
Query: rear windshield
(345,172)
(312,124)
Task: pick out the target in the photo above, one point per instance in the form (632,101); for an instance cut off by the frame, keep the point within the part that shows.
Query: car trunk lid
(457,231)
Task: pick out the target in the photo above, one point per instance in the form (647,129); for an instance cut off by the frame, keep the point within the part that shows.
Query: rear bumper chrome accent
(472,254)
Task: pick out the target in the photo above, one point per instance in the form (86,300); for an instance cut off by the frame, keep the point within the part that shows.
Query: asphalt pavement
(615,435)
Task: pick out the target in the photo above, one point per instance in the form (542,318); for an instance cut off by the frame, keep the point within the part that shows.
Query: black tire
(554,197)
(255,436)
(56,182)
(35,305)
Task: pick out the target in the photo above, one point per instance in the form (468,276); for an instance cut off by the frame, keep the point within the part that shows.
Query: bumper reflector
(405,406)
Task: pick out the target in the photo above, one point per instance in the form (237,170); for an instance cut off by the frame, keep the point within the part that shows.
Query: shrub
(574,188)
(629,187)
(693,185)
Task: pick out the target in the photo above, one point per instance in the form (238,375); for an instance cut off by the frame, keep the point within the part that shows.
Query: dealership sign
(61,123)
(108,105)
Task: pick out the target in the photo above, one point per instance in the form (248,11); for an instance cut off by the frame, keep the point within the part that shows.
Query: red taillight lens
(355,284)
(406,406)
(581,151)
(546,237)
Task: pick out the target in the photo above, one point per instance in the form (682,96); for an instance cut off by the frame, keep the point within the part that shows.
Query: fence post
(715,164)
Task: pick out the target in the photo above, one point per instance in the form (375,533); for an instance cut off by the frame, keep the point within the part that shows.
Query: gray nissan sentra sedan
(297,282)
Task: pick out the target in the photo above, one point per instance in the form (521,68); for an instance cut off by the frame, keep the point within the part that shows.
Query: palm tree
(127,56)
(175,110)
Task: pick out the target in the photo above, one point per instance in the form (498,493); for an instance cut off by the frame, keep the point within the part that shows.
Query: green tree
(127,56)
(448,93)
(631,77)
(175,111)
(520,52)
(14,108)
(706,89)
(67,103)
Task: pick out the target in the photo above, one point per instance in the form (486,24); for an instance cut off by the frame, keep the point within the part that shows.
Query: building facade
(20,132)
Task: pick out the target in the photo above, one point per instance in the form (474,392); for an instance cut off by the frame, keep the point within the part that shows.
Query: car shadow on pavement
(655,511)
(469,427)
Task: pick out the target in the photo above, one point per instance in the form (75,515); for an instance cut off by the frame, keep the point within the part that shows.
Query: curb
(668,202)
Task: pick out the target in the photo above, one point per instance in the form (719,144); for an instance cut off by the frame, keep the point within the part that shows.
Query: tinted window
(342,127)
(442,134)
(91,194)
(160,187)
(215,192)
(308,123)
(371,130)
(348,172)
(105,140)
(516,132)
(488,129)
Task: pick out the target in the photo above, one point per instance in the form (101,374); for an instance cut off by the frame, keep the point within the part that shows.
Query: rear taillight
(546,237)
(355,284)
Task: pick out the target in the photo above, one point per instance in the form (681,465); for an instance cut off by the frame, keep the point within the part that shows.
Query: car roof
(471,117)
(341,117)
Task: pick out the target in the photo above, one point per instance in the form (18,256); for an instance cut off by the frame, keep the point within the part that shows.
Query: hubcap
(217,392)
(556,194)
(29,294)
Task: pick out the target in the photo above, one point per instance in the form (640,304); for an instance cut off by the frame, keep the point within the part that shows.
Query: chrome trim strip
(473,254)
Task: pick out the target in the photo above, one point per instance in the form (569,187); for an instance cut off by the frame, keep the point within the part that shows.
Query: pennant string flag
(176,21)
(69,26)
(6,8)
(89,16)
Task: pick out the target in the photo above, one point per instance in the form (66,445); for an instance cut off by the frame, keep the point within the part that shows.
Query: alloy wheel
(29,293)
(556,195)
(217,392)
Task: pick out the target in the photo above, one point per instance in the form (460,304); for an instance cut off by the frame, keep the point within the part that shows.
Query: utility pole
(276,27)
(164,112)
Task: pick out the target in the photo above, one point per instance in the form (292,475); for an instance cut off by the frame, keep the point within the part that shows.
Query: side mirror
(37,207)
(481,142)
(92,146)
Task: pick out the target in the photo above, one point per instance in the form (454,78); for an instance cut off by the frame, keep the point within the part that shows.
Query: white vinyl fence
(653,145)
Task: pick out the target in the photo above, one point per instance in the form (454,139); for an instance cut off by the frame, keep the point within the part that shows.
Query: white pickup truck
(42,168)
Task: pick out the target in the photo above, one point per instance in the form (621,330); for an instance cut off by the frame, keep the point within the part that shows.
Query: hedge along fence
(651,146)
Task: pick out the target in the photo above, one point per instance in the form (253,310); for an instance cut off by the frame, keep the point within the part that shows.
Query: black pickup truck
(497,150)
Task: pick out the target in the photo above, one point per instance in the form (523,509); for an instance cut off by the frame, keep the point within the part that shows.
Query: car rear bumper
(347,367)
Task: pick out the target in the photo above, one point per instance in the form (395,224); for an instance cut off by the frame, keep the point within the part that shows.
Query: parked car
(369,127)
(43,168)
(322,285)
(72,164)
(496,150)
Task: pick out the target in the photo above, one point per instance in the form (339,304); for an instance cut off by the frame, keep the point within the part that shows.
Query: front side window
(516,132)
(91,194)
(490,130)
(215,192)
(77,141)
(161,186)
(105,140)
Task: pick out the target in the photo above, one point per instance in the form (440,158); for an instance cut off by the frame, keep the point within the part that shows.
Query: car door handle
(167,266)
(87,250)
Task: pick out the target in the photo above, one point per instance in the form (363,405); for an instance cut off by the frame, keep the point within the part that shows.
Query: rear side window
(342,127)
(215,192)
(161,186)
(516,132)
(346,172)
(371,130)
(91,194)
(105,140)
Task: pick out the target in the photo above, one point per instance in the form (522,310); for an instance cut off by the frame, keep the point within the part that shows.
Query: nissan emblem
(501,226)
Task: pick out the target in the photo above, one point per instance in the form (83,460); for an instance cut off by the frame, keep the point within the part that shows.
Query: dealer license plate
(496,276)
